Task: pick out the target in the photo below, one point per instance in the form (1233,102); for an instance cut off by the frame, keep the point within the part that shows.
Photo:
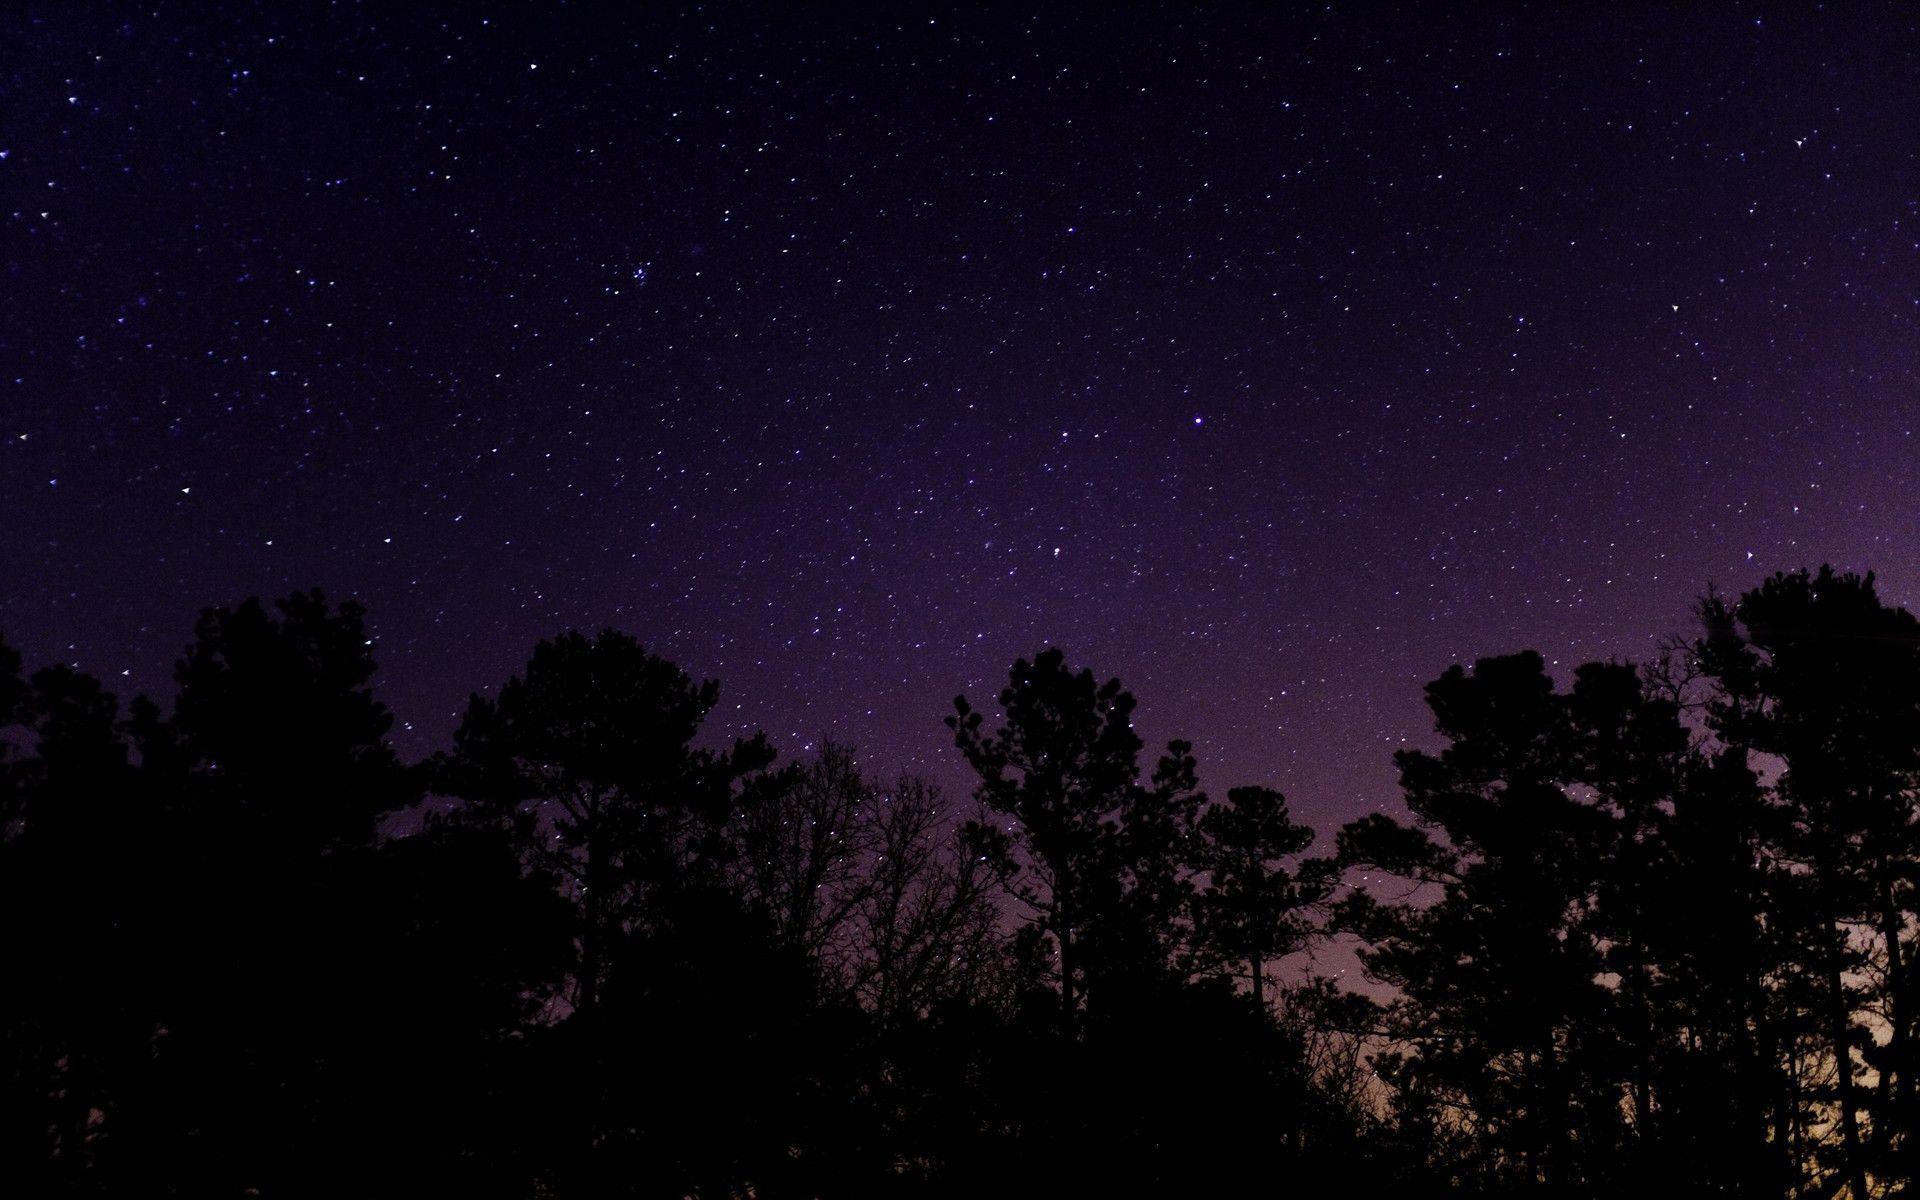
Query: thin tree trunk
(1063,910)
(593,915)
(1790,1120)
(1558,1119)
(1840,1028)
(1897,1079)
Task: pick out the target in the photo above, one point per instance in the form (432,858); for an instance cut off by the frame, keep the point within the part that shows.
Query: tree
(927,933)
(275,722)
(1091,850)
(1728,1117)
(260,791)
(709,1069)
(1650,933)
(456,953)
(1816,673)
(1255,908)
(77,889)
(1497,975)
(588,756)
(1683,897)
(801,839)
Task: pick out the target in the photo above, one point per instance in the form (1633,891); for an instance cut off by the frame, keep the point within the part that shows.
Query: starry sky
(1272,361)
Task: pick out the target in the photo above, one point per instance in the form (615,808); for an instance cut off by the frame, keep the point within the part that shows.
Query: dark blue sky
(1270,361)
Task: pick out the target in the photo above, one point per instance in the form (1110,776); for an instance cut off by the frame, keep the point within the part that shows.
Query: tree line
(1646,930)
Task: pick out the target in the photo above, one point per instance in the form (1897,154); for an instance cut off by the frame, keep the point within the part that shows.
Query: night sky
(1272,362)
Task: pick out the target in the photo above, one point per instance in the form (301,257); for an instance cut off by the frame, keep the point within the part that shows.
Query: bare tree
(803,837)
(927,927)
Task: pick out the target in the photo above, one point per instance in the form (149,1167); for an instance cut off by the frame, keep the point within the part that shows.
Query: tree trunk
(1840,1028)
(593,916)
(1559,1119)
(1789,1127)
(1064,913)
(1897,1079)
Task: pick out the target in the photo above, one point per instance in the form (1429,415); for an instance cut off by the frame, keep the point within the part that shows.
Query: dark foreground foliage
(1649,930)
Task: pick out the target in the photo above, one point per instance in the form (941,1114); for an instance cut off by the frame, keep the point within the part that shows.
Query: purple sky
(1271,362)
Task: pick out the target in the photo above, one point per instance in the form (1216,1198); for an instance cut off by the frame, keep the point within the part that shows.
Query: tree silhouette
(588,756)
(1506,852)
(76,885)
(1255,909)
(1651,932)
(803,836)
(1090,849)
(927,933)
(267,776)
(1814,671)
(274,721)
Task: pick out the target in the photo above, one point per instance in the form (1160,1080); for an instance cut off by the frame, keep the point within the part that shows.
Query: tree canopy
(1627,928)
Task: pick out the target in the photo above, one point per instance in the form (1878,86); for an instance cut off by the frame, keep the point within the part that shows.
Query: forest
(1648,929)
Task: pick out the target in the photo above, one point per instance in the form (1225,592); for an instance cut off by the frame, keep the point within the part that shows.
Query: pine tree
(1255,908)
(1089,848)
(588,756)
(1816,673)
(1497,972)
